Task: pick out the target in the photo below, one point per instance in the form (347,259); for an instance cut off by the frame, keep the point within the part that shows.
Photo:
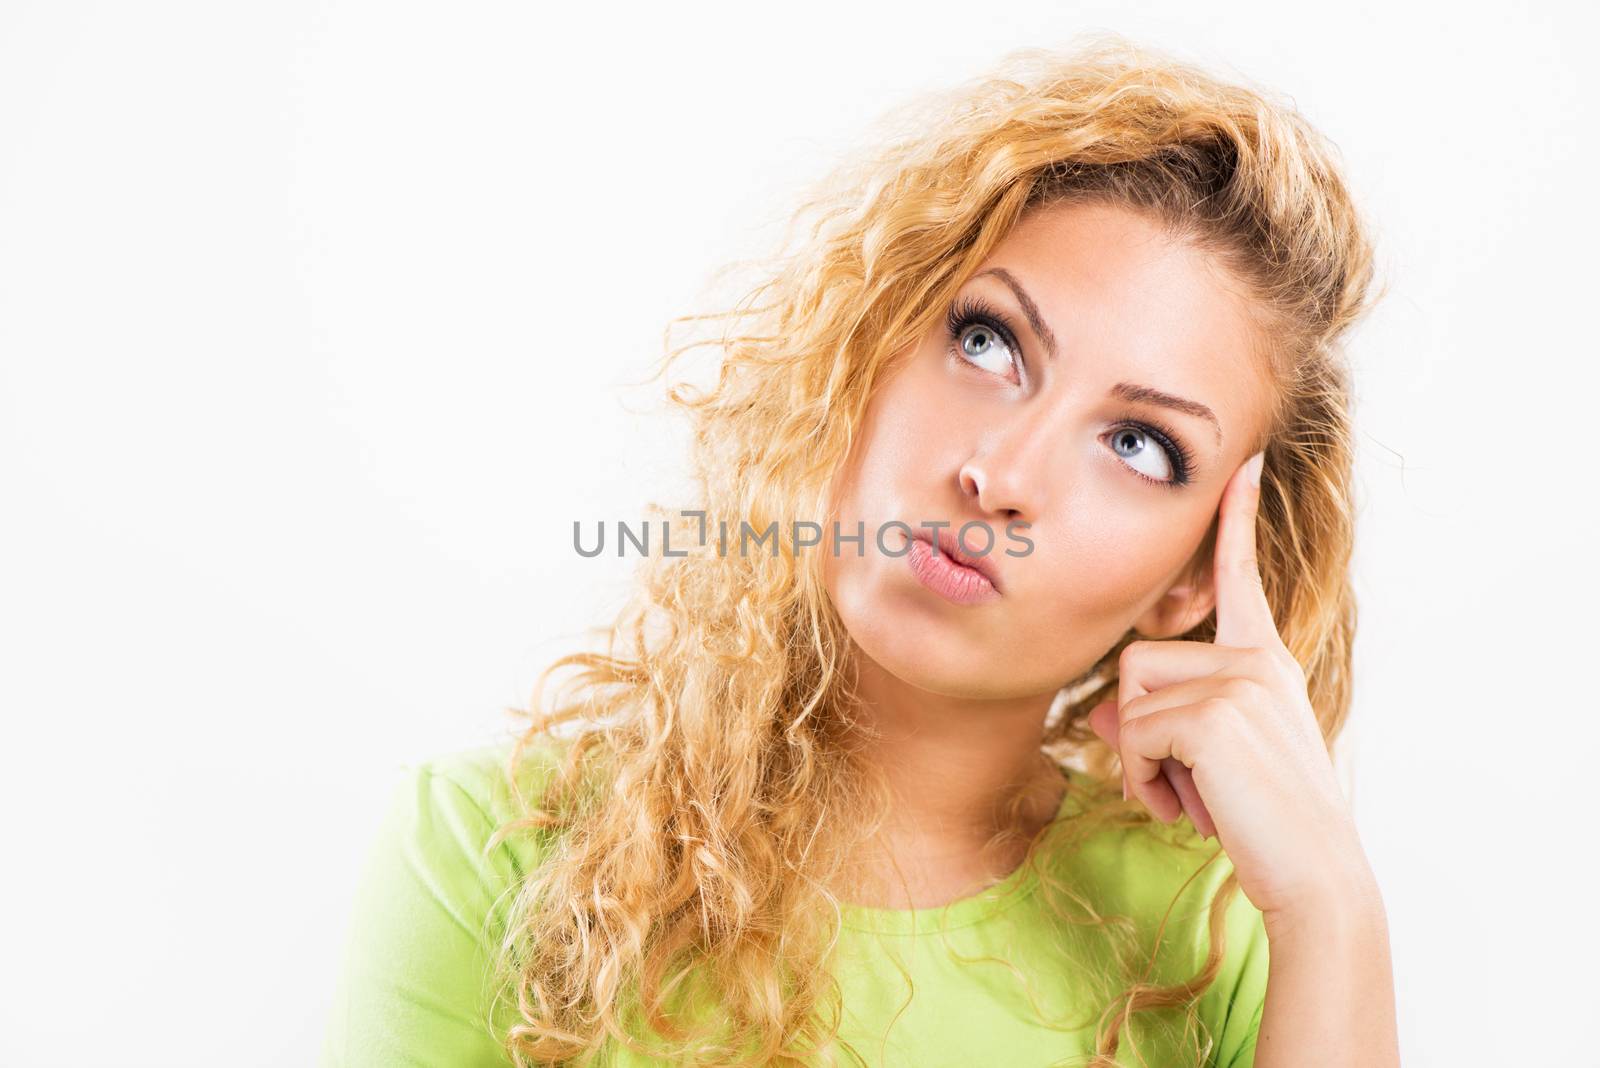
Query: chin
(971,678)
(921,648)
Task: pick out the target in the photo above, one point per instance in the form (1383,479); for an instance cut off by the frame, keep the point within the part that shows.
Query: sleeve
(413,990)
(1240,993)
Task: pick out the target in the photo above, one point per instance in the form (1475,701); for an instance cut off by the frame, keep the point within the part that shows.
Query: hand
(1225,729)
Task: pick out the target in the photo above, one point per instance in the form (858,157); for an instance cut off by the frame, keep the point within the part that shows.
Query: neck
(961,770)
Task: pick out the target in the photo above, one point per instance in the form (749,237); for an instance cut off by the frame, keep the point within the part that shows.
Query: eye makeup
(973,310)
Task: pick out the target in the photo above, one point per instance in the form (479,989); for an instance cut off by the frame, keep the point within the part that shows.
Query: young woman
(981,711)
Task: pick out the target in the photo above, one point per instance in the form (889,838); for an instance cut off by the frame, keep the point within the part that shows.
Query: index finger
(1244,616)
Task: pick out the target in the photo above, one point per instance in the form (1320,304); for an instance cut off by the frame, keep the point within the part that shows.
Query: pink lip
(962,583)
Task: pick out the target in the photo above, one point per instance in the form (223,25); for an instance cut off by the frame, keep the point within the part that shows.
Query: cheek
(900,446)
(885,479)
(888,464)
(1103,568)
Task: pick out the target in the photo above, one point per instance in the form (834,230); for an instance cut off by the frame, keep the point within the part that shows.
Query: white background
(314,328)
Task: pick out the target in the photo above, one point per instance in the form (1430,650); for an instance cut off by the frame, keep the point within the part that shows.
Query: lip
(954,574)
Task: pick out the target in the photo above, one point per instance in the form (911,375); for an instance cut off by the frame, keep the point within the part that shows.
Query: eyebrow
(1128,391)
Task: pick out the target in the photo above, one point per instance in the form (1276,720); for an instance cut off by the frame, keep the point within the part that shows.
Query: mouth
(953,573)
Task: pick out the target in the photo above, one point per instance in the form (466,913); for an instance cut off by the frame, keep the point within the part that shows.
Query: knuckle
(1276,664)
(1263,661)
(1239,691)
(1217,711)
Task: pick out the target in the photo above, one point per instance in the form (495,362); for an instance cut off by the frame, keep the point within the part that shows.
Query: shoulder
(457,799)
(429,910)
(443,846)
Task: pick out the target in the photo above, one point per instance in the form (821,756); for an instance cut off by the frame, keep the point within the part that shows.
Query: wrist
(1347,907)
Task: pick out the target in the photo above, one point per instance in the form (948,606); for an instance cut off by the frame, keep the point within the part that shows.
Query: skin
(981,429)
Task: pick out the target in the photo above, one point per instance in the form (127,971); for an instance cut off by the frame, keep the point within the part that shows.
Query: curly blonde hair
(695,824)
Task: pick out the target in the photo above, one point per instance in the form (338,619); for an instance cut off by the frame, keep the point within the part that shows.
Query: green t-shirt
(414,987)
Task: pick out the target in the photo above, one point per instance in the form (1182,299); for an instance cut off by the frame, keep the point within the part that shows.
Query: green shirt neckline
(1016,887)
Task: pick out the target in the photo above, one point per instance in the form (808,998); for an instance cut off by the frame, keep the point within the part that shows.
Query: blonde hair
(693,828)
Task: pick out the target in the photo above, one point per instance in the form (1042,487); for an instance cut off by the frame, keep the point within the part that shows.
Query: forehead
(1127,302)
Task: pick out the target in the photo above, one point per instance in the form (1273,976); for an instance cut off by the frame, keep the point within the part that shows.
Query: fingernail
(1254,470)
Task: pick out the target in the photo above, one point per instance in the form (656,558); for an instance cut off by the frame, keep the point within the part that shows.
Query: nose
(1003,474)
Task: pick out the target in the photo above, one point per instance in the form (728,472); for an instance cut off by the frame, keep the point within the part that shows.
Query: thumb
(1103,721)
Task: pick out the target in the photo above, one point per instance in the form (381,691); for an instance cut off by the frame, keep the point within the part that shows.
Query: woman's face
(1043,413)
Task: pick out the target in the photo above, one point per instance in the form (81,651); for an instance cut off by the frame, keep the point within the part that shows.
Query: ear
(1188,601)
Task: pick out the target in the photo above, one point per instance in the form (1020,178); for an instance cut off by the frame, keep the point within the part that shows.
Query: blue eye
(1139,450)
(1173,459)
(980,335)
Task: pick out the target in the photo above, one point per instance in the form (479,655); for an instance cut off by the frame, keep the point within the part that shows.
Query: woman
(1016,752)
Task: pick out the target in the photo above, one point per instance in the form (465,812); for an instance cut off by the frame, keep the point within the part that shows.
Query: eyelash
(1178,453)
(970,310)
